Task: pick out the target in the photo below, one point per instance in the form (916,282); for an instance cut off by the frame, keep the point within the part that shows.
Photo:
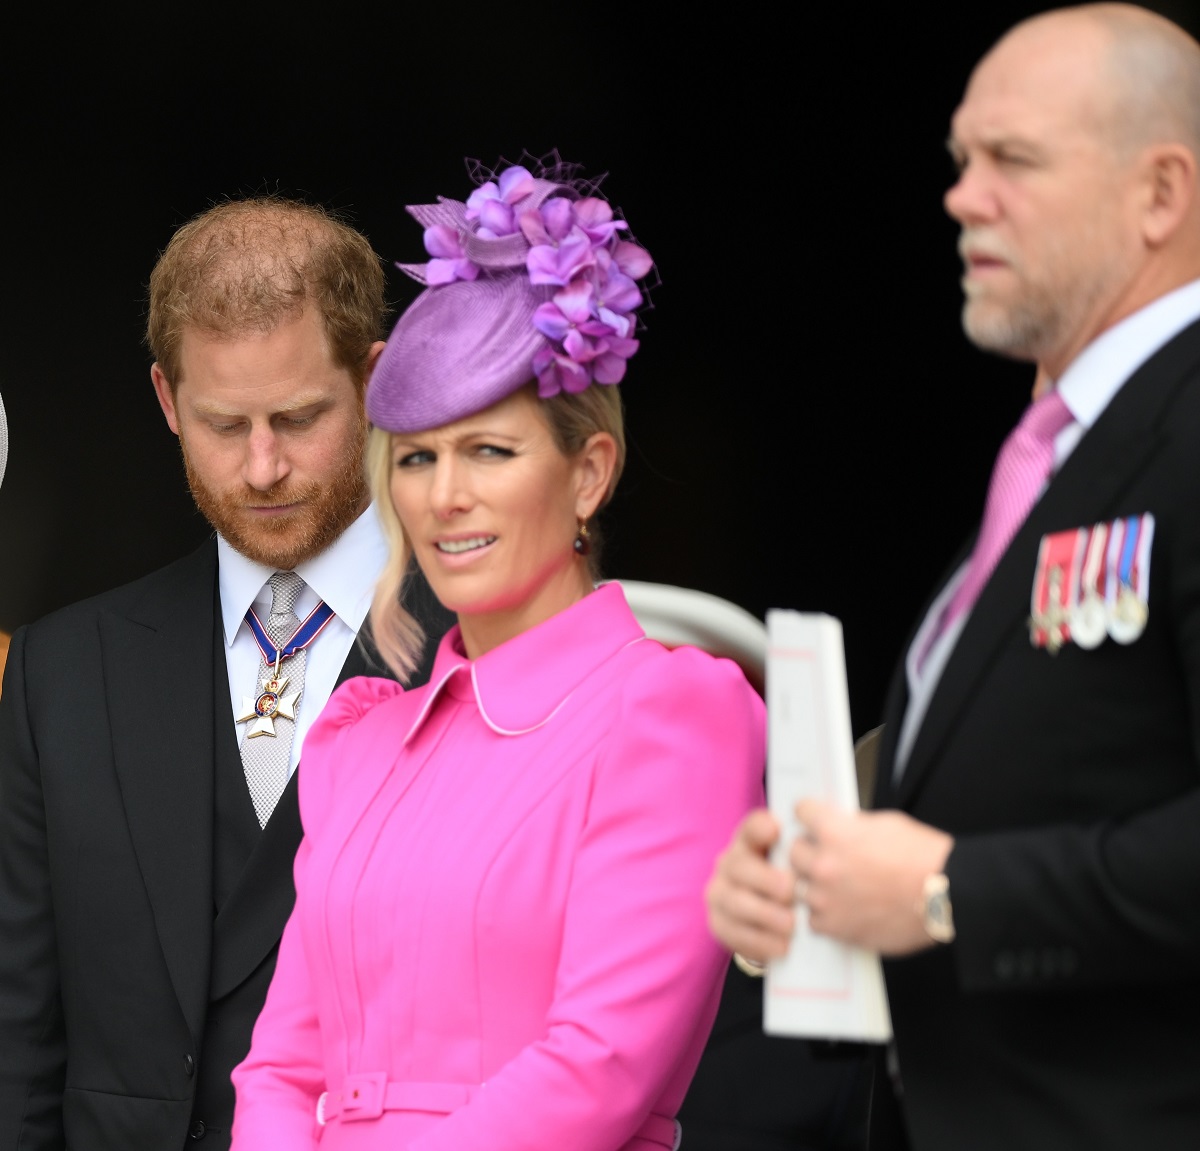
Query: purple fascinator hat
(532,278)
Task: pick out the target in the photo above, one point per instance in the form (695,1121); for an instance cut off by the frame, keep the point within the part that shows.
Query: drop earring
(582,544)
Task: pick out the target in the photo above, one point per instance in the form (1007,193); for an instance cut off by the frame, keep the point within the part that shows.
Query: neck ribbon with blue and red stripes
(310,627)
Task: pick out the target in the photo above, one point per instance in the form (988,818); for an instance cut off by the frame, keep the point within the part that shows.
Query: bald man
(1036,891)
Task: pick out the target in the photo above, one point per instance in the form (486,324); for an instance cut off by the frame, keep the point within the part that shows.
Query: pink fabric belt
(368,1095)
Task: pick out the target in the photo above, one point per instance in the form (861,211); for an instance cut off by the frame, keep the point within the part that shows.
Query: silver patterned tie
(265,756)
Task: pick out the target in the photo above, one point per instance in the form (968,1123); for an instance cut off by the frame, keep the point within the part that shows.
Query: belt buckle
(363,1096)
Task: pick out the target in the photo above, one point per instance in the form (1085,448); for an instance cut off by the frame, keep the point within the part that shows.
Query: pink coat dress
(499,938)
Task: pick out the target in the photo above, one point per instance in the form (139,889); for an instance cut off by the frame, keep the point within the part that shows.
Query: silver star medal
(272,704)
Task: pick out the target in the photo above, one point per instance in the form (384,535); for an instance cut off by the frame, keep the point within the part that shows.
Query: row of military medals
(275,701)
(1091,583)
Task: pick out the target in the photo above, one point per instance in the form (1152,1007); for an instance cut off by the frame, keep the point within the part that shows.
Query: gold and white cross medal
(271,704)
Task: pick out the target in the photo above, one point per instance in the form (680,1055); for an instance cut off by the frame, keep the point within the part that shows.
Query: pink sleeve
(323,744)
(639,976)
(283,1075)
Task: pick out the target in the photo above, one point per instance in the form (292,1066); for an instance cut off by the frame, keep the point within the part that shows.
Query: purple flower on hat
(594,340)
(557,372)
(595,217)
(609,365)
(559,249)
(547,232)
(615,297)
(560,265)
(569,308)
(606,356)
(449,262)
(632,259)
(582,361)
(492,203)
(550,223)
(591,311)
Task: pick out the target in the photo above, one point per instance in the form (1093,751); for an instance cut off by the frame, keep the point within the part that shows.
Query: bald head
(1077,143)
(1146,71)
(246,266)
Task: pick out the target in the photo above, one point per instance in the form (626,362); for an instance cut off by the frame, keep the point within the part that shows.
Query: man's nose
(971,199)
(266,463)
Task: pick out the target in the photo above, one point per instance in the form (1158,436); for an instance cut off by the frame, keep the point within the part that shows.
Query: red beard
(281,542)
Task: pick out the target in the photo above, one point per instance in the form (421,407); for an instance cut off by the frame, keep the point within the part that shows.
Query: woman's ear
(594,472)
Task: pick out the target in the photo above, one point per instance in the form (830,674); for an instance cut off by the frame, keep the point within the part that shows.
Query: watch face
(938,918)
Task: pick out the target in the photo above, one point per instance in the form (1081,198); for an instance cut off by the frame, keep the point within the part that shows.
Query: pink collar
(520,685)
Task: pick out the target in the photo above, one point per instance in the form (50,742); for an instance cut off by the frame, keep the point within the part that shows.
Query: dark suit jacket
(1066,1014)
(124,1002)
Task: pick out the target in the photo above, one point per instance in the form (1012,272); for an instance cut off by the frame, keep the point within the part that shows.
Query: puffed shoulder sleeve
(326,739)
(639,974)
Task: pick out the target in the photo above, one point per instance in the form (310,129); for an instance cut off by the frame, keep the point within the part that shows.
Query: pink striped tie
(1022,467)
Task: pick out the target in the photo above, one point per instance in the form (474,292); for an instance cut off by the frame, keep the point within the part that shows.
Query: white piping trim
(434,692)
(561,704)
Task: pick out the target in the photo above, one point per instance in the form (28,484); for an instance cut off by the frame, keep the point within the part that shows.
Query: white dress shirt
(343,575)
(1087,388)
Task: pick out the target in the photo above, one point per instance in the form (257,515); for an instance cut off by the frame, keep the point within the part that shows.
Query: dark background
(808,426)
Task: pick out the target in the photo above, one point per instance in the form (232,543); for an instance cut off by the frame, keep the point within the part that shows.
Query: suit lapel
(896,699)
(253,917)
(363,659)
(158,683)
(1087,489)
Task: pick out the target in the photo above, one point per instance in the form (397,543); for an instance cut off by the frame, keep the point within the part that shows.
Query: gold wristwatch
(751,967)
(937,917)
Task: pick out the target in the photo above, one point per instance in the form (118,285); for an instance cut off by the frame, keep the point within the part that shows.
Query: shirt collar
(343,575)
(520,685)
(1097,373)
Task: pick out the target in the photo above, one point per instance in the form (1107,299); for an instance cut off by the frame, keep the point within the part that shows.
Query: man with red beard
(149,737)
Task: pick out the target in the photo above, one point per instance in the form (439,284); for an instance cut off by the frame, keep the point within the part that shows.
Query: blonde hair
(572,420)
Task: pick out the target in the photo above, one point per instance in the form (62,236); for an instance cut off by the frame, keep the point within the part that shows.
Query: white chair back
(675,616)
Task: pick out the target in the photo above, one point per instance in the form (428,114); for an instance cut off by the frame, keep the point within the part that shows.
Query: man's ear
(594,464)
(372,359)
(166,398)
(1169,192)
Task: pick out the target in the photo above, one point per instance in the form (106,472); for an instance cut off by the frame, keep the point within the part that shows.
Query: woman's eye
(494,451)
(414,459)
